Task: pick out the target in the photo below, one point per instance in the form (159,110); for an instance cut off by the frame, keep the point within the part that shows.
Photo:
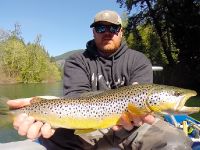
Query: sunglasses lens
(103,28)
(100,28)
(114,29)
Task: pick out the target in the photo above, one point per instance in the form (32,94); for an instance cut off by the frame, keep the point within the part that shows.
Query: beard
(109,46)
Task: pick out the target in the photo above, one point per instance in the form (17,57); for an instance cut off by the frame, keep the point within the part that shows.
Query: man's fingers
(148,119)
(18,120)
(125,121)
(18,103)
(34,130)
(129,120)
(47,131)
(117,128)
(25,125)
(137,121)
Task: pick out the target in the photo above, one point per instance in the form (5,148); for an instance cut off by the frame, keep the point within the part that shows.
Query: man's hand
(128,121)
(27,125)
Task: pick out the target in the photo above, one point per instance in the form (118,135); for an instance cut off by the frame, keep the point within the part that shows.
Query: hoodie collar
(92,49)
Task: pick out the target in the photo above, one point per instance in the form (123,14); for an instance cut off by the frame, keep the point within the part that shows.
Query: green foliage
(171,40)
(152,45)
(12,51)
(147,41)
(27,63)
(176,24)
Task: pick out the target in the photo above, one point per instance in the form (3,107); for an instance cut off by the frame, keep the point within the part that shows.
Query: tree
(3,35)
(177,24)
(183,17)
(26,63)
(173,21)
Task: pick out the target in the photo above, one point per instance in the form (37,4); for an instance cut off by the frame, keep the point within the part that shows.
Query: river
(7,133)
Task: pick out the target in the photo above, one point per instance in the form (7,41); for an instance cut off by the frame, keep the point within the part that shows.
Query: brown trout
(103,110)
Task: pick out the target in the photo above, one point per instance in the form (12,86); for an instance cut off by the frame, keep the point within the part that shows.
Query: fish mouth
(184,109)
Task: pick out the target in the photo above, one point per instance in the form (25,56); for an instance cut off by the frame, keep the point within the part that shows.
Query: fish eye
(177,93)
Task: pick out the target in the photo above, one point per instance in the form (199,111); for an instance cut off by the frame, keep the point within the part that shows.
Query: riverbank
(7,81)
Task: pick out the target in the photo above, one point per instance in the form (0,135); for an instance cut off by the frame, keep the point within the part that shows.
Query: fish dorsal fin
(92,93)
(83,131)
(36,100)
(135,110)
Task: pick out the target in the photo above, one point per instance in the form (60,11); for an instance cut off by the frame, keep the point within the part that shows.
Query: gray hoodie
(90,71)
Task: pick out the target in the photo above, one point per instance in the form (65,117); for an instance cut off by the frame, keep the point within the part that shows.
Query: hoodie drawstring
(98,68)
(114,86)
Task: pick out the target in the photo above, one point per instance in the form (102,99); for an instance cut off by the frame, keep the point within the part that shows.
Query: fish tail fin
(4,109)
(6,116)
(4,112)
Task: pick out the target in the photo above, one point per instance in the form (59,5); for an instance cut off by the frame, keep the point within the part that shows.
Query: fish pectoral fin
(155,109)
(83,131)
(135,110)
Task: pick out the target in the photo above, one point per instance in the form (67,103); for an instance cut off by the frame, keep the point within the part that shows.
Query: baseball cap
(108,16)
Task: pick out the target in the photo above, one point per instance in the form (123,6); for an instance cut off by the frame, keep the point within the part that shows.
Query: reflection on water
(27,90)
(7,133)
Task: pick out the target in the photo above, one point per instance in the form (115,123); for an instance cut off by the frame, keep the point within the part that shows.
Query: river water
(14,91)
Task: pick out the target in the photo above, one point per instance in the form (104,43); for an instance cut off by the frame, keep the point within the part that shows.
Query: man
(107,63)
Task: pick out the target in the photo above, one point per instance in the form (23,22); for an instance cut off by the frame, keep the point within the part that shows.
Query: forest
(25,63)
(168,32)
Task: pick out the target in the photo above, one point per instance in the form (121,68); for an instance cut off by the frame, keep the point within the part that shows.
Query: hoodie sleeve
(76,78)
(141,69)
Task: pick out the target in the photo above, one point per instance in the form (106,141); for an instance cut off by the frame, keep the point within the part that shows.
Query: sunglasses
(100,28)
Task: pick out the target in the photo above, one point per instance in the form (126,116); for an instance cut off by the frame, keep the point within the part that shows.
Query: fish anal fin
(83,131)
(135,110)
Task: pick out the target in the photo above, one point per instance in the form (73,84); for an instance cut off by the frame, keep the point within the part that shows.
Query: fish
(103,110)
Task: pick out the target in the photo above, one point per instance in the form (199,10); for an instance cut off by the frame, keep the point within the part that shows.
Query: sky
(64,25)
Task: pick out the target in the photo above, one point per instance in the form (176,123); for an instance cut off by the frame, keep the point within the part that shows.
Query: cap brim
(94,23)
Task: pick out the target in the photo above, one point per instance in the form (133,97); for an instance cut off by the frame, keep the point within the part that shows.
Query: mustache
(107,37)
